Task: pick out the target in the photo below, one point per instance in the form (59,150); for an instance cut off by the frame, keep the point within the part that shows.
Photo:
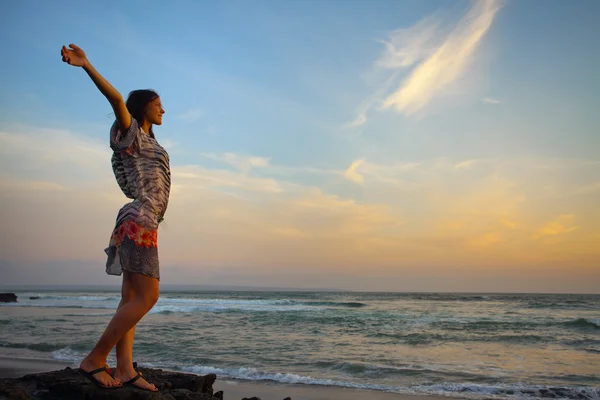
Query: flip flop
(135,378)
(90,376)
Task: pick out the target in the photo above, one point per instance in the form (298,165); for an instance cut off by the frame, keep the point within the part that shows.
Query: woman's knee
(147,299)
(152,297)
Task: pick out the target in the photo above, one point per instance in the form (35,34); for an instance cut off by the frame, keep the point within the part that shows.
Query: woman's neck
(146,126)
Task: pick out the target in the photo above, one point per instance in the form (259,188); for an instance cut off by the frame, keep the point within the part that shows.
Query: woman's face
(154,112)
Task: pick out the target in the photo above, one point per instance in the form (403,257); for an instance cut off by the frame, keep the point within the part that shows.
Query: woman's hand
(73,56)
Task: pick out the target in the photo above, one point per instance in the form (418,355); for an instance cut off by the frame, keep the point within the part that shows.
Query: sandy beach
(15,367)
(233,389)
(237,389)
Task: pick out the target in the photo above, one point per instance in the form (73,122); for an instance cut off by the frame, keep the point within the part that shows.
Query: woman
(141,167)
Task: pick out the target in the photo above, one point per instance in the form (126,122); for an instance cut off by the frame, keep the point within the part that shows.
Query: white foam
(67,354)
(499,390)
(254,374)
(594,321)
(165,304)
(462,390)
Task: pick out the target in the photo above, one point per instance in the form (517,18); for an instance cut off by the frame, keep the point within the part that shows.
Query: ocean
(465,345)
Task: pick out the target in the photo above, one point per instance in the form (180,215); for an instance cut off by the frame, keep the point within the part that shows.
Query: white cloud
(437,59)
(168,144)
(405,47)
(200,177)
(240,162)
(489,100)
(360,120)
(467,164)
(191,115)
(351,173)
(54,155)
(560,225)
(444,212)
(447,63)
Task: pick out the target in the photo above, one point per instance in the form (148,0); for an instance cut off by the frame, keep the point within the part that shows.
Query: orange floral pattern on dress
(138,234)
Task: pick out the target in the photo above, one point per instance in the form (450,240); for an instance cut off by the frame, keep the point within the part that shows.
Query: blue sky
(397,145)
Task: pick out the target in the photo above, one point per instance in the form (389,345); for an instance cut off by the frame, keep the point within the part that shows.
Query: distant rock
(8,298)
(34,298)
(68,384)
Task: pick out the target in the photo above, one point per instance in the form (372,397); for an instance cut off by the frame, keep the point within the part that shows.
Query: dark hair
(137,102)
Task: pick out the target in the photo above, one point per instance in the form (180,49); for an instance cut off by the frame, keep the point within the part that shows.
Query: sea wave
(208,304)
(511,390)
(254,374)
(348,304)
(360,369)
(77,298)
(561,303)
(94,306)
(451,298)
(468,390)
(67,354)
(41,347)
(585,323)
(428,338)
(95,314)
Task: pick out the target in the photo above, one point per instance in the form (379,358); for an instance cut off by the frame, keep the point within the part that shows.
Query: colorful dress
(141,167)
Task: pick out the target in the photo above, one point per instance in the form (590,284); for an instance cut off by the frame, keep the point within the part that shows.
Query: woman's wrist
(86,64)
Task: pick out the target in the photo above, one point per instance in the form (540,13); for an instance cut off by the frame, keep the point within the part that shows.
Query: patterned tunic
(141,167)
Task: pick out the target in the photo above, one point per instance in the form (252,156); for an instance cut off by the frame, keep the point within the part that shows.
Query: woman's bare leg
(125,345)
(125,369)
(146,291)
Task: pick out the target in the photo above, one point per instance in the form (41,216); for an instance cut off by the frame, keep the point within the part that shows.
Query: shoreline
(234,389)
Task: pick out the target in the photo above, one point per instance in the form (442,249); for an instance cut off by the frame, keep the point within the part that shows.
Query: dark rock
(547,393)
(17,393)
(34,297)
(8,298)
(68,384)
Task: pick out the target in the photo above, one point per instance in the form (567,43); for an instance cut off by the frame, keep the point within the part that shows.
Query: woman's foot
(103,378)
(129,377)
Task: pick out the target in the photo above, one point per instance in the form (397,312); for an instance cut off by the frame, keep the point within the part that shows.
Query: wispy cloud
(447,63)
(406,47)
(437,59)
(560,225)
(200,177)
(241,162)
(440,211)
(351,173)
(361,118)
(191,115)
(54,154)
(467,164)
(489,100)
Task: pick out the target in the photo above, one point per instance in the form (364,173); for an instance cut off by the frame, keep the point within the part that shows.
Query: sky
(404,145)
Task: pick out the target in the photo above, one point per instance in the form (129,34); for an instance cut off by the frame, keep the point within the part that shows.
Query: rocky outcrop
(8,298)
(68,384)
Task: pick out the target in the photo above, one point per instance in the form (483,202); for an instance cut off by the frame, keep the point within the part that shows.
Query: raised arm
(76,57)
